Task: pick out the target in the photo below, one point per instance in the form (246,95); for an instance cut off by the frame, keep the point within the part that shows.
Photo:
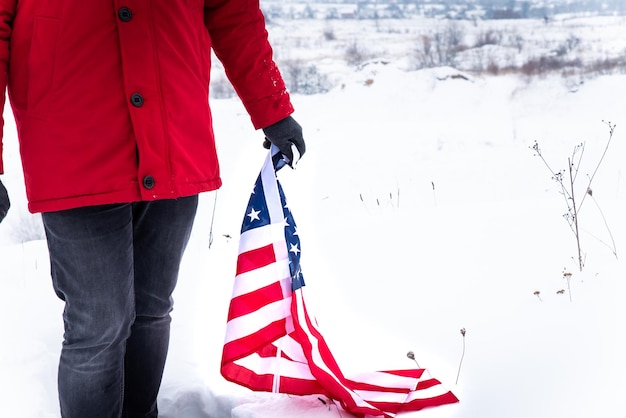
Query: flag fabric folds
(272,341)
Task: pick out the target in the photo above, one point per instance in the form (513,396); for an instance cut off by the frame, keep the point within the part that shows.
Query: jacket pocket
(41,61)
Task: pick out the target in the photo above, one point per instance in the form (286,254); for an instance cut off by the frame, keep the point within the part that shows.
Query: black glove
(4,202)
(284,134)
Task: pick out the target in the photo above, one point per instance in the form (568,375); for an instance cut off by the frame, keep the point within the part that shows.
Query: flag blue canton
(293,243)
(258,215)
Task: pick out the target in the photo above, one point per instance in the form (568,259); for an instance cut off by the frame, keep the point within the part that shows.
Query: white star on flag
(294,249)
(254,215)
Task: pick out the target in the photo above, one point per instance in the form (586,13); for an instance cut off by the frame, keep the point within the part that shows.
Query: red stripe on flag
(254,259)
(389,407)
(264,382)
(414,373)
(354,385)
(267,351)
(429,383)
(246,377)
(295,386)
(332,380)
(249,344)
(415,404)
(244,304)
(324,351)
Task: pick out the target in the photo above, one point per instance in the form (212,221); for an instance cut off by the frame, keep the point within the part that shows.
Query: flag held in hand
(272,341)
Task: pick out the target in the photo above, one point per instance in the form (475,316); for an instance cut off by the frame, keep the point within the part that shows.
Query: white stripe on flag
(385,380)
(245,325)
(269,365)
(376,396)
(427,393)
(272,196)
(292,349)
(316,356)
(261,236)
(257,279)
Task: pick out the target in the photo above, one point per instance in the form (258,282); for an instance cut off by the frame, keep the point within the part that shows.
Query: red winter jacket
(110,98)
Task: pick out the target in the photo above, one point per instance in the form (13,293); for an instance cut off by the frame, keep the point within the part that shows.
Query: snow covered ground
(422,210)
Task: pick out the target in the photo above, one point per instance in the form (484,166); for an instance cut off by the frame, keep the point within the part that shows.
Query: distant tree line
(451,9)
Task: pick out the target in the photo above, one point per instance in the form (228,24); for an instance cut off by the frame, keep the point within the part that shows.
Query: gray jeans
(115,267)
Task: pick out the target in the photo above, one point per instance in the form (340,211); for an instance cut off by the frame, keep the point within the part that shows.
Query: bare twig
(567,275)
(612,247)
(212,220)
(612,127)
(434,193)
(558,177)
(462,355)
(572,176)
(580,150)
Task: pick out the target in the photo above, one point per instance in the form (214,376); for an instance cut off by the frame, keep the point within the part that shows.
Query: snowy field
(422,210)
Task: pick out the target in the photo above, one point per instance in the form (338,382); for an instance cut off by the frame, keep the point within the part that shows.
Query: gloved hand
(284,134)
(4,202)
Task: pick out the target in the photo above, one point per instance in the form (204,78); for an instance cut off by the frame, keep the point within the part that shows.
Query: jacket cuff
(266,112)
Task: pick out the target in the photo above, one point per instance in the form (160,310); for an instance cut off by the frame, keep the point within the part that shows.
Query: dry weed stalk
(462,356)
(411,355)
(567,182)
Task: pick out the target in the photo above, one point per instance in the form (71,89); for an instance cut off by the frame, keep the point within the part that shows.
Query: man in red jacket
(110,101)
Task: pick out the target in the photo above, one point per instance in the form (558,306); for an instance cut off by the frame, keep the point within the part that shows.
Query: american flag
(273,343)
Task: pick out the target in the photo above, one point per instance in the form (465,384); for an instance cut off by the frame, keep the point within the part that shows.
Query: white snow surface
(422,210)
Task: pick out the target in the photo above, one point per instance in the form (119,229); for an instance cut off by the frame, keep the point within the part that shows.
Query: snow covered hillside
(422,209)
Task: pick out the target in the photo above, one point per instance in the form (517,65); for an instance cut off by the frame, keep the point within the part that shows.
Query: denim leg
(115,267)
(161,231)
(91,260)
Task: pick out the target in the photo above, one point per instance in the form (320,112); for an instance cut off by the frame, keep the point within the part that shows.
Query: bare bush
(329,33)
(221,88)
(453,35)
(547,64)
(27,227)
(493,68)
(488,37)
(355,54)
(303,79)
(608,65)
(440,48)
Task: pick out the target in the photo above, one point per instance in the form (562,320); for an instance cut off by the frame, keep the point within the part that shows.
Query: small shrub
(304,79)
(440,48)
(489,37)
(546,64)
(493,68)
(355,54)
(27,227)
(329,33)
(221,88)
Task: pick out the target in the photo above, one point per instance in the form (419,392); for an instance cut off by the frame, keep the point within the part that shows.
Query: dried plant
(567,276)
(462,355)
(566,179)
(411,355)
